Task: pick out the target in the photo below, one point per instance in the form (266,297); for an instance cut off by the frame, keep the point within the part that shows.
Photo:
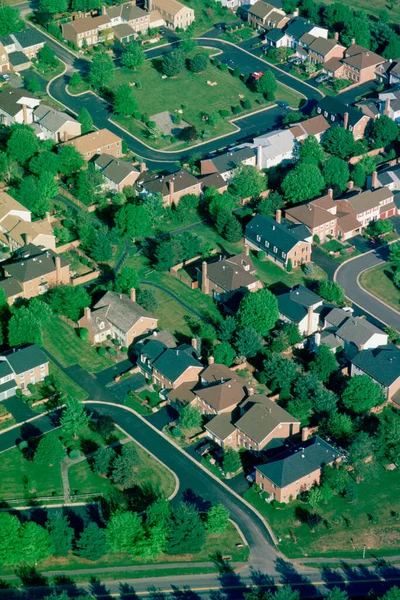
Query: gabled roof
(9,204)
(295,304)
(33,263)
(261,417)
(119,310)
(299,461)
(128,11)
(361,58)
(358,331)
(314,126)
(313,213)
(332,105)
(113,169)
(87,23)
(231,160)
(336,316)
(274,35)
(368,199)
(157,184)
(93,141)
(382,363)
(173,362)
(18,58)
(230,273)
(25,358)
(172,7)
(221,426)
(213,180)
(298,26)
(10,100)
(29,37)
(220,387)
(50,118)
(322,46)
(260,9)
(277,234)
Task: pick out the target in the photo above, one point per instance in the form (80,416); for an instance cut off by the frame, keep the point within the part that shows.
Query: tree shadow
(261,579)
(34,583)
(332,577)
(184,593)
(231,584)
(28,431)
(195,500)
(75,520)
(65,583)
(98,589)
(127,591)
(290,576)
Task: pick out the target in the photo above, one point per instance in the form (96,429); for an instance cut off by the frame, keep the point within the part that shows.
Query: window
(258,238)
(275,249)
(267,244)
(332,117)
(283,254)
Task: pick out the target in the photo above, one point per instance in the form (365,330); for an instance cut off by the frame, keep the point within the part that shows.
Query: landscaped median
(378,281)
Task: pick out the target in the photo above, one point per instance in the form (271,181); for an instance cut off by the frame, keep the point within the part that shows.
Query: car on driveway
(321,78)
(283,104)
(204,447)
(294,60)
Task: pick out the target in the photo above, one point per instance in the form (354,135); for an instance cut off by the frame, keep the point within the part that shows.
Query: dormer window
(101,325)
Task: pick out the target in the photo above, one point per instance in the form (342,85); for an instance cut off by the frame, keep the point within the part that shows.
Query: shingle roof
(6,40)
(223,393)
(11,287)
(25,358)
(260,9)
(295,303)
(173,362)
(50,118)
(368,199)
(9,100)
(18,58)
(29,37)
(5,369)
(230,274)
(382,363)
(336,316)
(311,213)
(172,7)
(298,26)
(274,35)
(34,262)
(119,310)
(262,416)
(92,141)
(314,126)
(87,23)
(332,105)
(322,46)
(213,180)
(159,184)
(124,30)
(231,160)
(277,234)
(113,169)
(357,330)
(361,58)
(221,426)
(299,461)
(128,11)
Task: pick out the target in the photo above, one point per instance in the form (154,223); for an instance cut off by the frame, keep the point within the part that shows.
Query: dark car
(204,447)
(283,104)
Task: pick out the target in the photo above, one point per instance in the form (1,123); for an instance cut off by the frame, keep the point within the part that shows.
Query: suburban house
(18,49)
(315,126)
(214,180)
(358,64)
(17,106)
(4,59)
(171,187)
(33,273)
(119,316)
(389,72)
(291,34)
(273,148)
(258,422)
(156,20)
(55,125)
(175,14)
(296,470)
(389,177)
(389,104)
(348,117)
(319,215)
(218,391)
(368,206)
(117,174)
(127,20)
(88,31)
(102,141)
(167,366)
(280,242)
(382,364)
(21,366)
(17,229)
(319,49)
(226,276)
(264,15)
(300,306)
(226,164)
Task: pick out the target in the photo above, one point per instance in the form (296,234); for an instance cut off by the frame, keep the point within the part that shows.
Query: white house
(17,106)
(389,104)
(273,148)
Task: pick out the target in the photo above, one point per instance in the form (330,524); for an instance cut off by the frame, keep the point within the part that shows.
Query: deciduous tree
(191,417)
(22,143)
(331,291)
(248,181)
(258,310)
(125,533)
(247,342)
(126,279)
(324,363)
(125,103)
(267,85)
(198,62)
(187,531)
(124,467)
(224,354)
(85,120)
(69,301)
(133,56)
(70,160)
(311,151)
(384,132)
(101,70)
(336,173)
(304,182)
(362,393)
(133,220)
(103,461)
(173,63)
(339,142)
(10,20)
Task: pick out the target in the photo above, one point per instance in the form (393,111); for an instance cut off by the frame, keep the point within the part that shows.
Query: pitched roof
(173,362)
(231,160)
(322,46)
(33,263)
(336,316)
(113,169)
(25,358)
(314,126)
(295,304)
(262,416)
(361,58)
(213,180)
(382,363)
(172,7)
(332,105)
(230,273)
(298,26)
(223,388)
(123,30)
(10,100)
(17,229)
(128,11)
(29,37)
(93,141)
(275,35)
(11,287)
(87,23)
(18,58)
(275,143)
(119,310)
(313,214)
(9,204)
(221,426)
(182,180)
(299,461)
(333,64)
(357,330)
(368,199)
(50,118)
(260,9)
(277,234)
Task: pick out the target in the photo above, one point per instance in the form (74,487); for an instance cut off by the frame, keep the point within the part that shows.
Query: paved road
(347,276)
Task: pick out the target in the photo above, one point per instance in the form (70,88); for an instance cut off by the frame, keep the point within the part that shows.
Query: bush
(277,504)
(246,104)
(101,351)
(261,255)
(137,115)
(115,342)
(223,67)
(138,85)
(176,432)
(224,113)
(31,387)
(23,445)
(112,351)
(316,239)
(236,72)
(236,109)
(84,334)
(151,124)
(74,454)
(124,349)
(18,392)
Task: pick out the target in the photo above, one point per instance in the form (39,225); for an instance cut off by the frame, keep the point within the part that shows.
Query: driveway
(19,409)
(132,384)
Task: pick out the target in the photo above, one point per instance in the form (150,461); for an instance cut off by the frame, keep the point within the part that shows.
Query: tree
(35,543)
(53,6)
(267,85)
(173,63)
(125,103)
(101,70)
(133,56)
(47,56)
(381,226)
(304,182)
(22,143)
(268,206)
(75,80)
(314,497)
(336,173)
(10,20)
(280,372)
(100,247)
(337,594)
(70,160)
(74,418)
(339,142)
(124,467)
(133,220)
(226,329)
(301,410)
(124,533)
(224,354)
(85,5)
(331,291)
(217,519)
(92,543)
(358,175)
(85,120)
(232,231)
(248,181)
(384,131)
(394,253)
(44,161)
(33,85)
(340,426)
(360,450)
(88,184)
(126,279)
(191,417)
(24,328)
(103,461)
(187,531)
(188,134)
(388,438)
(159,512)
(10,551)
(34,192)
(324,401)
(248,342)
(311,151)
(153,203)
(258,310)
(69,301)
(324,363)
(147,300)
(362,393)
(49,452)
(60,532)
(198,62)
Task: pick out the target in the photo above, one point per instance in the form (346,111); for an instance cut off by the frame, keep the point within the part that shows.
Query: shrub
(224,113)
(74,454)
(23,445)
(124,349)
(112,351)
(343,251)
(84,261)
(316,239)
(236,72)
(308,269)
(261,255)
(18,392)
(223,67)
(115,342)
(236,109)
(183,106)
(289,266)
(101,351)
(176,432)
(84,334)
(151,124)
(246,104)
(31,387)
(138,85)
(137,115)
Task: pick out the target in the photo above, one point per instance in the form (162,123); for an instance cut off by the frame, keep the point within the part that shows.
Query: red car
(257,75)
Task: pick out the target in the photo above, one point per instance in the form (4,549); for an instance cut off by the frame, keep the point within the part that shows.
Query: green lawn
(68,386)
(373,9)
(79,89)
(345,526)
(74,259)
(63,343)
(379,281)
(332,246)
(46,72)
(272,274)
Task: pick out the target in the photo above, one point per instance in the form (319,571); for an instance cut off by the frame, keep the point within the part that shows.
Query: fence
(356,159)
(68,246)
(85,278)
(81,205)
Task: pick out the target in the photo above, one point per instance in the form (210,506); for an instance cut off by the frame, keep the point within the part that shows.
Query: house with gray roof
(302,307)
(382,364)
(117,174)
(119,316)
(29,41)
(20,367)
(225,164)
(297,469)
(17,106)
(273,148)
(389,177)
(171,187)
(55,125)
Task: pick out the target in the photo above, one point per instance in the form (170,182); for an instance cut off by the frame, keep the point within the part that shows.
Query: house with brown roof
(358,64)
(315,126)
(119,316)
(171,187)
(102,141)
(33,273)
(264,15)
(175,14)
(319,215)
(320,49)
(88,31)
(367,206)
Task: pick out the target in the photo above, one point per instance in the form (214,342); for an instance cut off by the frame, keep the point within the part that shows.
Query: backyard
(345,526)
(379,282)
(273,275)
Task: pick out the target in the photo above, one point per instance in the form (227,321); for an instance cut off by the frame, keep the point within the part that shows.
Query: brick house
(319,49)
(20,367)
(358,64)
(348,117)
(127,20)
(302,307)
(225,164)
(281,243)
(88,31)
(266,16)
(119,316)
(368,206)
(117,174)
(382,364)
(296,470)
(102,141)
(55,125)
(171,187)
(320,216)
(175,14)
(315,126)
(33,273)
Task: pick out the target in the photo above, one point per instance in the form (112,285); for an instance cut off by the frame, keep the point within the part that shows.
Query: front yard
(271,274)
(379,282)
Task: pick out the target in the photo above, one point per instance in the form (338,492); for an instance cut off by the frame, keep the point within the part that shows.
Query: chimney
(171,186)
(374,182)
(250,391)
(25,115)
(104,10)
(27,238)
(296,12)
(143,167)
(310,313)
(336,36)
(353,41)
(305,432)
(58,269)
(211,360)
(132,294)
(387,107)
(350,185)
(330,193)
(194,343)
(317,339)
(345,120)
(247,250)
(259,157)
(278,215)
(48,217)
(204,278)
(86,312)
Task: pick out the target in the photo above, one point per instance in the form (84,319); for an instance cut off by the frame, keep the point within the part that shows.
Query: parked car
(295,60)
(283,104)
(321,78)
(203,447)
(257,75)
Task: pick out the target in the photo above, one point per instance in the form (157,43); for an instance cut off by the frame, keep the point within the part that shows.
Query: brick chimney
(374,181)
(210,360)
(194,343)
(25,114)
(387,107)
(350,185)
(353,41)
(330,193)
(247,250)
(132,294)
(142,167)
(104,10)
(278,215)
(305,432)
(171,187)
(345,120)
(310,313)
(205,288)
(336,36)
(48,217)
(87,312)
(58,269)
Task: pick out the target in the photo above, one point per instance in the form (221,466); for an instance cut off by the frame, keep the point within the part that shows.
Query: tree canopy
(258,310)
(304,182)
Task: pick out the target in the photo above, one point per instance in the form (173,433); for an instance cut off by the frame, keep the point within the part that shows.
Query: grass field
(272,274)
(371,519)
(373,9)
(63,343)
(379,282)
